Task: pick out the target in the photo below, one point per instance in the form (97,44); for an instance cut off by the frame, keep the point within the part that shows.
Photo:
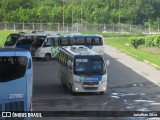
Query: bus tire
(47,56)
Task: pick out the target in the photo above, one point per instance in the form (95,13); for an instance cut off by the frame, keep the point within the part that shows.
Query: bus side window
(59,59)
(72,41)
(66,59)
(89,41)
(62,58)
(49,42)
(56,41)
(64,42)
(80,41)
(97,41)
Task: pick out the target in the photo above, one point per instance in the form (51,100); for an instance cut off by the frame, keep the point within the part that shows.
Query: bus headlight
(76,89)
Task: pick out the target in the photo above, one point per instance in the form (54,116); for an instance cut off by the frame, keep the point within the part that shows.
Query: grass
(124,45)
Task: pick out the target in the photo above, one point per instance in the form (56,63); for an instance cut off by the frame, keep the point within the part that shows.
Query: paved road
(127,91)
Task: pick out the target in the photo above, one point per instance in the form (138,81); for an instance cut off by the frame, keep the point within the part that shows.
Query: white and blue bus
(82,70)
(16,80)
(21,40)
(48,47)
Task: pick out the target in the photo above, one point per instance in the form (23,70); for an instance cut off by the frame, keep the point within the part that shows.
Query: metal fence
(121,28)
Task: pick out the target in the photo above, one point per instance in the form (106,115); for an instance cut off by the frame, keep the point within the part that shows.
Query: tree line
(136,12)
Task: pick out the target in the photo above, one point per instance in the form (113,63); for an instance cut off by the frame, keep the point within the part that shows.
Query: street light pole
(81,12)
(72,15)
(119,16)
(63,15)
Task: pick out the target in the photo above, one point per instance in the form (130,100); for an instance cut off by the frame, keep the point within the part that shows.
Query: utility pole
(72,15)
(63,13)
(119,17)
(81,17)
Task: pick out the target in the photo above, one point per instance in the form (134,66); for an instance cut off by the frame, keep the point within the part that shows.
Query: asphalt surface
(127,91)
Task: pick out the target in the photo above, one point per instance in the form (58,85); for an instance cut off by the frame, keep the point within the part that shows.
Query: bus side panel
(29,88)
(24,46)
(55,51)
(15,105)
(15,91)
(1,108)
(44,51)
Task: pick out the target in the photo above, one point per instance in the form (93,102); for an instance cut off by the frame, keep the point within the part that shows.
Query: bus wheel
(47,56)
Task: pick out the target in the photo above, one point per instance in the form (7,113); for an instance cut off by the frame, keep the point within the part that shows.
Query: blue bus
(16,80)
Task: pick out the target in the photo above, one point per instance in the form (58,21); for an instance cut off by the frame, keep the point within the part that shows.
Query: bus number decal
(81,60)
(11,96)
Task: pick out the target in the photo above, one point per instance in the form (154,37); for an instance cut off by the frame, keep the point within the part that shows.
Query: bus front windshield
(93,65)
(11,39)
(38,41)
(12,68)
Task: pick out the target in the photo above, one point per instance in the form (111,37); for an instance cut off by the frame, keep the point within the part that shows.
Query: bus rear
(16,79)
(92,41)
(11,40)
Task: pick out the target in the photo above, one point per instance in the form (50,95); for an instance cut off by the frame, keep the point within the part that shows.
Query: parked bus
(82,70)
(49,47)
(16,80)
(21,40)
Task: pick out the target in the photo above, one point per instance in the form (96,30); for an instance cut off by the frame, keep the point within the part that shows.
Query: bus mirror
(107,62)
(69,63)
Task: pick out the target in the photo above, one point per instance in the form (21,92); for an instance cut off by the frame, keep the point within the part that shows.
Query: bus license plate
(91,86)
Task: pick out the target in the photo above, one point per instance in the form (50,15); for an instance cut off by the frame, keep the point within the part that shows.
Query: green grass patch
(123,44)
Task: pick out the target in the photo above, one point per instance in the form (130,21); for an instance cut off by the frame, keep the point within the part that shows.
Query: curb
(146,61)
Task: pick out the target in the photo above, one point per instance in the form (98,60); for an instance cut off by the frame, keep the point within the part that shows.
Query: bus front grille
(90,83)
(15,106)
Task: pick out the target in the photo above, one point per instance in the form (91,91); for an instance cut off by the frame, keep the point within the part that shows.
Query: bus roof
(14,52)
(79,50)
(85,35)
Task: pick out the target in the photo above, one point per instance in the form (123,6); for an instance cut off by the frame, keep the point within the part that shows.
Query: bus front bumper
(89,87)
